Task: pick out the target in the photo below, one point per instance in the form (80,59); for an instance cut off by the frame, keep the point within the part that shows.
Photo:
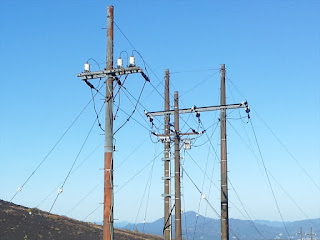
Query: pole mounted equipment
(110,73)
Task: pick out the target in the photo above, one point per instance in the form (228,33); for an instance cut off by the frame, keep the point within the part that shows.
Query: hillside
(18,223)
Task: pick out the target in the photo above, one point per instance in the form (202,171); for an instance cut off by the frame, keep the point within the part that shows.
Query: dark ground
(21,223)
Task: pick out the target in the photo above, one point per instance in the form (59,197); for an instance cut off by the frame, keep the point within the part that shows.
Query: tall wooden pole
(167,162)
(224,177)
(177,169)
(108,148)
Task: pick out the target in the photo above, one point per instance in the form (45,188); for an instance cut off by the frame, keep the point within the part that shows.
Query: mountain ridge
(209,228)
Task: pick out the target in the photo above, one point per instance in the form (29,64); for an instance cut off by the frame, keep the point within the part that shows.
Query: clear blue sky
(272,53)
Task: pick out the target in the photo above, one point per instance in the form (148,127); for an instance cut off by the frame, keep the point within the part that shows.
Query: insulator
(119,62)
(132,61)
(19,189)
(60,190)
(197,114)
(87,67)
(203,196)
(247,109)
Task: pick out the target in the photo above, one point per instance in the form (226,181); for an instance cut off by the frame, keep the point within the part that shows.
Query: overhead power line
(75,160)
(54,146)
(265,169)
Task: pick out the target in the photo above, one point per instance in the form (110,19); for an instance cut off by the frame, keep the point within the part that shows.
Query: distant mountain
(199,227)
(18,223)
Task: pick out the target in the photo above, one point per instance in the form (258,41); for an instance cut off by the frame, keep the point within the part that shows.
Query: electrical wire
(201,193)
(134,176)
(51,150)
(198,84)
(135,107)
(95,110)
(54,189)
(148,197)
(194,71)
(84,198)
(278,139)
(143,195)
(75,160)
(250,220)
(264,166)
(288,195)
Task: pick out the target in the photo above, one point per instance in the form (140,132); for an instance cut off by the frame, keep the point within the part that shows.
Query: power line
(135,107)
(201,193)
(278,139)
(51,150)
(250,220)
(74,162)
(54,189)
(265,169)
(128,181)
(286,192)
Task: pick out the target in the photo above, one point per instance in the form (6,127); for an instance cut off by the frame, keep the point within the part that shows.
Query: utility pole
(108,147)
(110,74)
(224,177)
(177,195)
(311,234)
(167,234)
(224,189)
(300,233)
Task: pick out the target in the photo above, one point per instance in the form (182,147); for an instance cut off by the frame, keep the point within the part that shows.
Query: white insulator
(60,190)
(119,62)
(132,61)
(19,189)
(87,67)
(203,196)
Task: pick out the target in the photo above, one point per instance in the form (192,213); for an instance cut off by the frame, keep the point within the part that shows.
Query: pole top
(222,65)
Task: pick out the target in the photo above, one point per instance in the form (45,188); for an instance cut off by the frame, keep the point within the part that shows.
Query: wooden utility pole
(167,162)
(110,74)
(108,148)
(224,177)
(177,194)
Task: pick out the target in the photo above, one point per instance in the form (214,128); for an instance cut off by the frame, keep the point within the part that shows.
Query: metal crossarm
(200,109)
(109,73)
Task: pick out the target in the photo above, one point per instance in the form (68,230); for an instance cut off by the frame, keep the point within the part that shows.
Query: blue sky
(271,50)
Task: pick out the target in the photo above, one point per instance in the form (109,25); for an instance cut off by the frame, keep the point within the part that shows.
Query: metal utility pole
(177,194)
(224,177)
(108,147)
(167,162)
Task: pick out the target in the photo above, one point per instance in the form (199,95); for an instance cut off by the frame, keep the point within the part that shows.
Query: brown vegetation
(21,223)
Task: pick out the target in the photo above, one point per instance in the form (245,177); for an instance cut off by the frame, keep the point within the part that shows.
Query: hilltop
(18,222)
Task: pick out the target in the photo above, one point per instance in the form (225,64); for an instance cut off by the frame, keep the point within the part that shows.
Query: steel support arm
(109,73)
(200,109)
